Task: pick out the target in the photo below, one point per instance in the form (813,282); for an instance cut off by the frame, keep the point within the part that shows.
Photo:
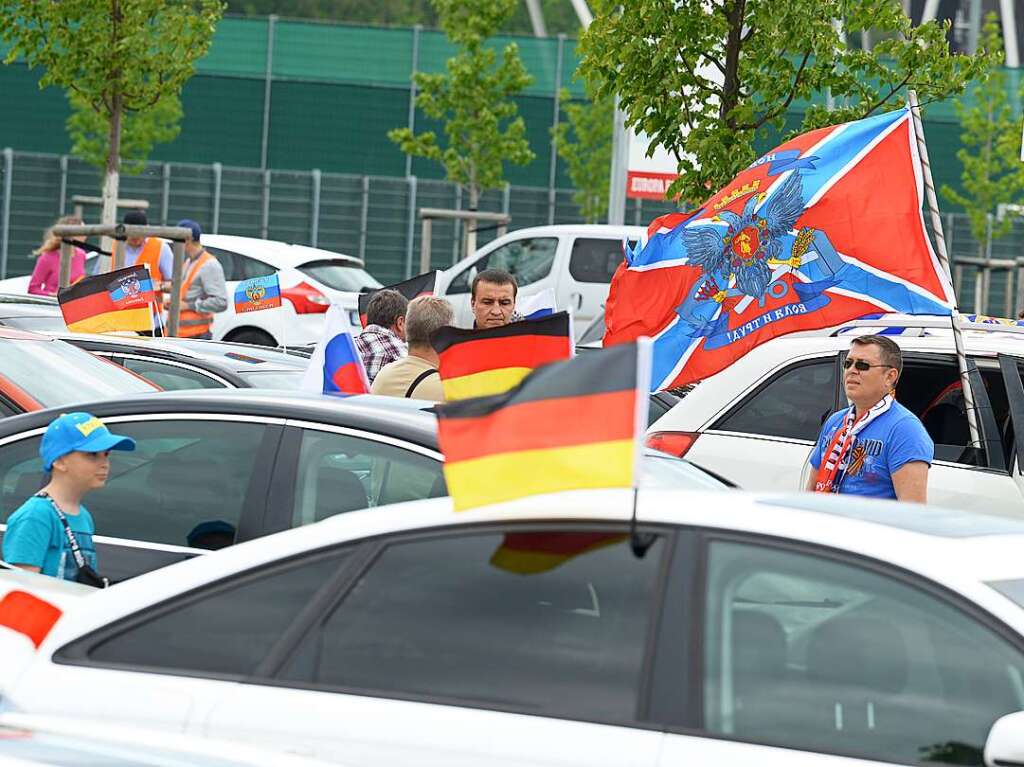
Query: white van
(576,261)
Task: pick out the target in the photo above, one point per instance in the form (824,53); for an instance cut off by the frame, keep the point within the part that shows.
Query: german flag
(478,363)
(420,285)
(118,300)
(568,426)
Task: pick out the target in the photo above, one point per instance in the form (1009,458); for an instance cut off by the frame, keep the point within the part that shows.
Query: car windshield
(38,323)
(273,379)
(659,472)
(55,373)
(1012,589)
(340,275)
(594,331)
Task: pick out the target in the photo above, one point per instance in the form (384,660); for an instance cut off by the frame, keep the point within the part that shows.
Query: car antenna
(639,542)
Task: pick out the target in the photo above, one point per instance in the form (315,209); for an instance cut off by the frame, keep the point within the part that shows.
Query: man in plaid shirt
(383,339)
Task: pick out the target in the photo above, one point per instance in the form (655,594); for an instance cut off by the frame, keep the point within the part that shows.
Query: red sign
(648,185)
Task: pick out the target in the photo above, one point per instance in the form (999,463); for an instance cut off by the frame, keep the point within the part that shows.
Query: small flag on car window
(258,293)
(420,285)
(476,363)
(112,301)
(568,426)
(336,367)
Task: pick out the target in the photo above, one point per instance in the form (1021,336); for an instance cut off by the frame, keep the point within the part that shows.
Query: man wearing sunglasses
(876,447)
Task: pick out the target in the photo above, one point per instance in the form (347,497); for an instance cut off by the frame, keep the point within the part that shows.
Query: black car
(216,467)
(176,364)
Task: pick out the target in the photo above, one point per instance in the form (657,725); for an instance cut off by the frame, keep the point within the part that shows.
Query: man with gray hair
(383,339)
(415,376)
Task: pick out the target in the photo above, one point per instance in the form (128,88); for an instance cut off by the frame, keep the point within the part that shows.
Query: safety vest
(150,258)
(190,323)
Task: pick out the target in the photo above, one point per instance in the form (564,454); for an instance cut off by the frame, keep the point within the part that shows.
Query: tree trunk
(111,180)
(474,200)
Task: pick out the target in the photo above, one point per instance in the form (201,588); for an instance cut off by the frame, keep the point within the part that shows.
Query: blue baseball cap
(192,226)
(78,431)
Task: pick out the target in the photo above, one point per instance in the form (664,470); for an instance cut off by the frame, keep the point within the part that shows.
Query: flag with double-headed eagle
(826,228)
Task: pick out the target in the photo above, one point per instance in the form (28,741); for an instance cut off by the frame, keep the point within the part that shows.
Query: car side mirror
(1005,744)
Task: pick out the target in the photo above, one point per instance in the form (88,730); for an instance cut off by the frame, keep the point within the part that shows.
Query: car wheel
(252,336)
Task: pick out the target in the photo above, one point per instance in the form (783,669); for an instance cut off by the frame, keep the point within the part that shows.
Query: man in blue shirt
(75,449)
(876,447)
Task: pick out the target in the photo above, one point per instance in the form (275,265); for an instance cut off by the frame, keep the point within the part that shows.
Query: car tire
(251,336)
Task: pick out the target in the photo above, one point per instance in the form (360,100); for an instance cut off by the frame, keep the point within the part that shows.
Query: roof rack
(923,323)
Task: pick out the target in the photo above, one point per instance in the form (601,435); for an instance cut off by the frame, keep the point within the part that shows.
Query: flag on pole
(112,301)
(538,305)
(568,426)
(335,366)
(421,285)
(476,363)
(826,228)
(258,293)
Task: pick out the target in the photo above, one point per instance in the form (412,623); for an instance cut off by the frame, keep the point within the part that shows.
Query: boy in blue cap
(52,531)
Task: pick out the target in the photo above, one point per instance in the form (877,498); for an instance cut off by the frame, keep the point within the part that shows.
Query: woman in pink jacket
(46,275)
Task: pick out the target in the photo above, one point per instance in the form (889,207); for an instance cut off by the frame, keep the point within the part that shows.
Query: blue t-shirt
(36,537)
(882,447)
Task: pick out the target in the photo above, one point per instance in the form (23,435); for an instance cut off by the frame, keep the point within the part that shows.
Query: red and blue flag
(335,366)
(826,228)
(258,293)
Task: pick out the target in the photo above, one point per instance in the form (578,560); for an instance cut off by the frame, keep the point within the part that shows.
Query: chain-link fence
(372,217)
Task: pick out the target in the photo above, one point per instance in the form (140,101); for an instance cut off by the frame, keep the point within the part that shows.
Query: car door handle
(577,299)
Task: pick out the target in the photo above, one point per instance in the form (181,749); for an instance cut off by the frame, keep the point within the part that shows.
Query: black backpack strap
(418,380)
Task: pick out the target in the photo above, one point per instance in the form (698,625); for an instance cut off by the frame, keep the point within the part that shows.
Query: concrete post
(314,225)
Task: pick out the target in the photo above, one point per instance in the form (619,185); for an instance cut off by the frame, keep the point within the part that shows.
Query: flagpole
(943,254)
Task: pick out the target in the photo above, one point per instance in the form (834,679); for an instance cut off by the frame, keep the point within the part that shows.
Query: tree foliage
(992,171)
(114,56)
(705,78)
(474,99)
(140,132)
(585,143)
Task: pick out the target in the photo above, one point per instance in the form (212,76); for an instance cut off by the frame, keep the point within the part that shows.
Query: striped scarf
(835,464)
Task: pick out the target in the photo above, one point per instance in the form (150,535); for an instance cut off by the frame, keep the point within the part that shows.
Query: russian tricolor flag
(538,305)
(336,367)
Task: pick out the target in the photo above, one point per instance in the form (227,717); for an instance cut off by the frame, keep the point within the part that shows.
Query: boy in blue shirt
(876,447)
(75,449)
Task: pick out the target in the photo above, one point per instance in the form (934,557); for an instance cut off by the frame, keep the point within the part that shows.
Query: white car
(585,629)
(575,261)
(311,279)
(756,422)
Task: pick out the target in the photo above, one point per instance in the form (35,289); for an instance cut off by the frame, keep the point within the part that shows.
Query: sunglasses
(861,365)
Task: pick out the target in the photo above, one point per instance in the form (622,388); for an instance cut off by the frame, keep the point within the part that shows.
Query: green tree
(585,143)
(706,79)
(116,56)
(992,171)
(140,131)
(474,99)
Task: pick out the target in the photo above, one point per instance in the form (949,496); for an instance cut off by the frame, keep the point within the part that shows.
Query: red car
(37,372)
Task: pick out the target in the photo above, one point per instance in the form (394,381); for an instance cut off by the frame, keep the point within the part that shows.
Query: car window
(595,260)
(527,260)
(594,332)
(339,472)
(224,629)
(251,267)
(931,390)
(545,621)
(795,403)
(866,665)
(340,275)
(273,379)
(185,483)
(55,373)
(228,260)
(171,377)
(38,323)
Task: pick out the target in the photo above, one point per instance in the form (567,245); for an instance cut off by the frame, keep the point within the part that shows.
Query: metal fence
(373,217)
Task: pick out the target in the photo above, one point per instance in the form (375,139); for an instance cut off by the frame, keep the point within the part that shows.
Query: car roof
(221,354)
(27,300)
(276,253)
(390,416)
(593,230)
